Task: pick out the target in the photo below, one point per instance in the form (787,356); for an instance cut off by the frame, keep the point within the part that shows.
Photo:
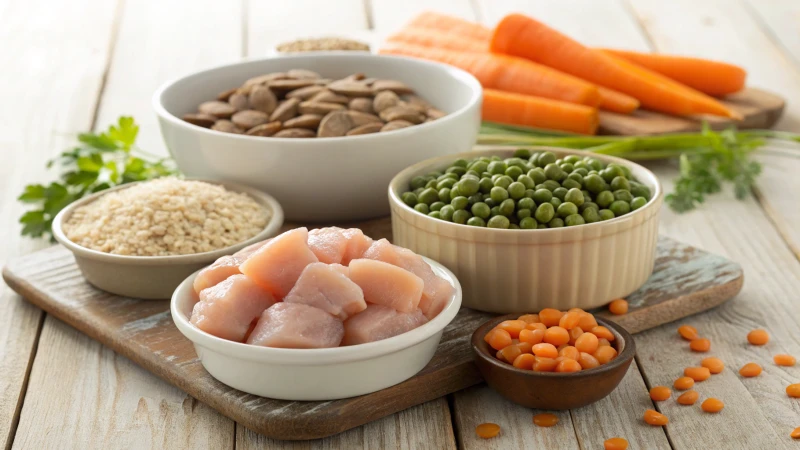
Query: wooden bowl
(549,390)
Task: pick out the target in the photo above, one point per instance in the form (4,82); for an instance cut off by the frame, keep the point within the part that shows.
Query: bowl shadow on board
(550,390)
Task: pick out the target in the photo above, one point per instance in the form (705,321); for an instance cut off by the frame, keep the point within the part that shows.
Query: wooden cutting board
(685,281)
(759,109)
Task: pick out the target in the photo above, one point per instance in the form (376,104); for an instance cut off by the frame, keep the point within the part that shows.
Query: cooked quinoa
(165,217)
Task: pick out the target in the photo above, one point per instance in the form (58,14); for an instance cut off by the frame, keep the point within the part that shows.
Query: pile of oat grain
(166,217)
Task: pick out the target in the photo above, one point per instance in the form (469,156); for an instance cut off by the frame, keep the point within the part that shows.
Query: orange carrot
(451,25)
(523,36)
(508,73)
(427,37)
(710,77)
(537,112)
(616,101)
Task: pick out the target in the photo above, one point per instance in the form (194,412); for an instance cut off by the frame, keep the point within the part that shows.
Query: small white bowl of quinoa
(143,239)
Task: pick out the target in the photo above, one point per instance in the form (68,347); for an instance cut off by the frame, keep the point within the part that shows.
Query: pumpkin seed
(200,119)
(217,108)
(367,128)
(239,101)
(285,111)
(361,104)
(335,124)
(318,107)
(395,86)
(249,118)
(226,126)
(262,99)
(396,125)
(295,133)
(305,93)
(351,88)
(265,129)
(385,100)
(310,121)
(402,112)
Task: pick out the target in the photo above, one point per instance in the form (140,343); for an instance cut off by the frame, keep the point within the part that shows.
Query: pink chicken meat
(379,322)
(436,291)
(328,244)
(277,265)
(227,309)
(294,325)
(385,284)
(357,244)
(327,287)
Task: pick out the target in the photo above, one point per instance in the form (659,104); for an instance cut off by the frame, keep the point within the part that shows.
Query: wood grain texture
(157,41)
(53,58)
(143,331)
(780,19)
(390,15)
(426,426)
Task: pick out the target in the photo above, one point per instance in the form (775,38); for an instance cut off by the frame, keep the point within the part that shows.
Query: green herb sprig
(708,159)
(99,162)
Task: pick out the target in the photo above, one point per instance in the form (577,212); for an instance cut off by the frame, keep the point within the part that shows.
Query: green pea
(537,174)
(452,176)
(461,216)
(447,212)
(481,210)
(640,190)
(468,186)
(620,183)
(582,171)
(526,203)
(574,220)
(606,214)
(523,213)
(475,199)
(567,209)
(528,223)
(611,172)
(486,185)
(625,196)
(556,223)
(498,222)
(431,184)
(435,214)
(566,167)
(444,195)
(499,194)
(637,203)
(590,215)
(575,196)
(503,181)
(422,207)
(454,192)
(522,153)
(460,202)
(546,158)
(409,198)
(458,170)
(575,176)
(495,211)
(604,199)
(588,205)
(476,222)
(545,212)
(428,196)
(542,196)
(551,185)
(497,167)
(489,202)
(529,193)
(472,174)
(553,172)
(560,193)
(418,191)
(542,226)
(460,162)
(581,165)
(507,207)
(526,181)
(514,172)
(594,183)
(620,208)
(436,206)
(569,183)
(626,171)
(418,182)
(495,158)
(513,226)
(594,163)
(555,201)
(572,159)
(479,166)
(434,174)
(516,190)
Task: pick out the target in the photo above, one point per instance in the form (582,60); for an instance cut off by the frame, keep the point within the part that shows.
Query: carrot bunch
(538,77)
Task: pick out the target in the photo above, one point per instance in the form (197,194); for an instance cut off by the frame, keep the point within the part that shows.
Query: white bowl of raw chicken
(315,374)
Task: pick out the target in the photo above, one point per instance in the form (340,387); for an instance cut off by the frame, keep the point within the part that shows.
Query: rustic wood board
(685,281)
(759,109)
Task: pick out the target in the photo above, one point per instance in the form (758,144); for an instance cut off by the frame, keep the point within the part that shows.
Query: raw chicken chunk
(436,291)
(227,309)
(357,244)
(387,285)
(326,287)
(250,249)
(294,325)
(328,244)
(379,322)
(220,270)
(278,264)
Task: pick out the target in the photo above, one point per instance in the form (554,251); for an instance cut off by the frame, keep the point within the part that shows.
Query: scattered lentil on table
(527,191)
(758,337)
(164,217)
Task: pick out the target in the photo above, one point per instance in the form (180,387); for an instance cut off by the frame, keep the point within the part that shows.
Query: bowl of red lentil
(142,239)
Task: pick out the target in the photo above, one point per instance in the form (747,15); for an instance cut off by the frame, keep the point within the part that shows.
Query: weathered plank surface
(53,58)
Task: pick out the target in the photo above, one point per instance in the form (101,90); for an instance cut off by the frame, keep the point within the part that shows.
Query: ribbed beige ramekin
(505,271)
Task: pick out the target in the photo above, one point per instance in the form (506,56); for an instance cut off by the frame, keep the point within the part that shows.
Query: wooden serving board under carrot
(535,76)
(685,281)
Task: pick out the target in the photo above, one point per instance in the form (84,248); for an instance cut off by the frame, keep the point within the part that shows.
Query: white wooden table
(77,65)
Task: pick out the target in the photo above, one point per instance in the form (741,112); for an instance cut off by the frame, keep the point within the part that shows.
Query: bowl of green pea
(533,228)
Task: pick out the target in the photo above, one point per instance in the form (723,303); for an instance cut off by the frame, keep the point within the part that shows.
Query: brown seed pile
(322,44)
(300,103)
(166,217)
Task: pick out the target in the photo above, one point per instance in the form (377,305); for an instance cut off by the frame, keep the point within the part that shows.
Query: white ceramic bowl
(507,271)
(320,179)
(315,374)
